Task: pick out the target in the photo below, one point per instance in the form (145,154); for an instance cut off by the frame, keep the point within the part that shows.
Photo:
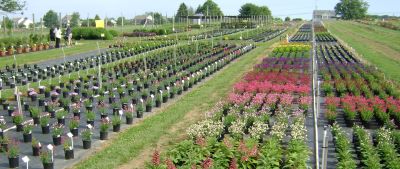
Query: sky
(130,8)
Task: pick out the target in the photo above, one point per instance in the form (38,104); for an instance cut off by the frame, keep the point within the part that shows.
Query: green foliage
(250,9)
(92,33)
(209,8)
(352,9)
(75,19)
(182,11)
(50,19)
(11,5)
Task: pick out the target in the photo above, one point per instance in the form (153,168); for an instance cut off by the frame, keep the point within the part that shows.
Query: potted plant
(149,105)
(35,114)
(90,117)
(74,126)
(13,155)
(18,119)
(60,115)
(116,122)
(52,108)
(68,149)
(58,130)
(36,146)
(45,157)
(129,115)
(86,135)
(27,133)
(10,49)
(104,126)
(158,100)
(366,114)
(103,112)
(2,128)
(76,111)
(349,115)
(139,111)
(89,105)
(165,97)
(331,116)
(4,141)
(44,123)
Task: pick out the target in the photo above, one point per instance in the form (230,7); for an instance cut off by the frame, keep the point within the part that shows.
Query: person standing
(52,35)
(57,33)
(68,35)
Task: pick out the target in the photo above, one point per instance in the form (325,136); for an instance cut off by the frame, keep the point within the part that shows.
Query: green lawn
(377,45)
(129,143)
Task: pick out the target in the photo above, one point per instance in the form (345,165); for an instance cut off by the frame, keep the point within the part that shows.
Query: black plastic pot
(91,122)
(129,120)
(45,129)
(87,144)
(48,165)
(117,128)
(27,138)
(13,162)
(103,135)
(56,141)
(158,103)
(139,114)
(35,151)
(20,127)
(69,154)
(36,120)
(148,108)
(75,132)
(61,121)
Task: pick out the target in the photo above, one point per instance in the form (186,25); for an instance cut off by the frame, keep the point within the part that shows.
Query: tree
(51,19)
(182,10)
(209,8)
(250,9)
(97,17)
(191,11)
(75,19)
(119,21)
(287,19)
(352,9)
(10,6)
(7,23)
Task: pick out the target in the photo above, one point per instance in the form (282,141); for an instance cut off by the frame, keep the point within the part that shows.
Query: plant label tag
(89,126)
(50,147)
(70,135)
(120,112)
(25,159)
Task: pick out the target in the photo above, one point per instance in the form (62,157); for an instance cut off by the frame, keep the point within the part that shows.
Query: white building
(324,15)
(22,22)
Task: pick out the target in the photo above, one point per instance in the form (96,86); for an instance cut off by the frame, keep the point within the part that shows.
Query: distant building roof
(325,12)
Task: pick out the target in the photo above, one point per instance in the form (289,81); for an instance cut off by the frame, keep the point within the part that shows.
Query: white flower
(237,128)
(206,128)
(258,129)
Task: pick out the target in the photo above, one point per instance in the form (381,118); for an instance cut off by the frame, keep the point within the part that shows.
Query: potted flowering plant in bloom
(104,126)
(86,135)
(18,119)
(36,146)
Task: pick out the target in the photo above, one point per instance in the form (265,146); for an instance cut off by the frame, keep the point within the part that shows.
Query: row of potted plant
(18,45)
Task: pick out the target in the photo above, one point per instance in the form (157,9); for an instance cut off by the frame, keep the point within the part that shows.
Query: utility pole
(33,20)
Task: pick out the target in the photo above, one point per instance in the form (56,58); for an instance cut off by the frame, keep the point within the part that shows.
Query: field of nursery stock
(224,85)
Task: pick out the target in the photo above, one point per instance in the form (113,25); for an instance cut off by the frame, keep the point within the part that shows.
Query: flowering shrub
(305,102)
(206,128)
(258,129)
(237,129)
